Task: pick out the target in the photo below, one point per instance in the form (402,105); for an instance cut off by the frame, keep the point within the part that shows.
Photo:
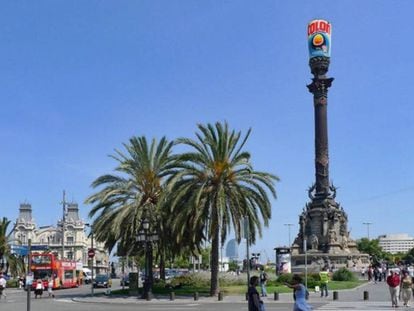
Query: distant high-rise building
(232,250)
(396,243)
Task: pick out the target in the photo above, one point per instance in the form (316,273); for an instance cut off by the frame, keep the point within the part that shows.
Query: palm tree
(15,263)
(124,200)
(215,188)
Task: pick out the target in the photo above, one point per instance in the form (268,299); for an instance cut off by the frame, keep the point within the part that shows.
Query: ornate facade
(75,242)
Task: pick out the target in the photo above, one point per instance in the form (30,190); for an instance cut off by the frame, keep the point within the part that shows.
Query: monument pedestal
(324,225)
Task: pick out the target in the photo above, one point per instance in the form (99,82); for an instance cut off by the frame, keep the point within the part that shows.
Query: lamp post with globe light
(147,237)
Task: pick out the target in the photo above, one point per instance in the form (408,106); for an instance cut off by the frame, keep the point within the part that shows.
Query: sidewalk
(377,292)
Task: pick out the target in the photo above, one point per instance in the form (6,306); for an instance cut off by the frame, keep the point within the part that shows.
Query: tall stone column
(323,239)
(319,88)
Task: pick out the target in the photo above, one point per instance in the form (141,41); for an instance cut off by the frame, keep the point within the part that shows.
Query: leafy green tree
(409,256)
(135,193)
(215,188)
(372,248)
(233,265)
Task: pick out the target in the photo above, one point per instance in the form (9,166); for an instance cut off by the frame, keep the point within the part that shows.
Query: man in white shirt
(2,286)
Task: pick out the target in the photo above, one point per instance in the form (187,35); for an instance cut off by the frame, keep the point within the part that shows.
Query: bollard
(276,296)
(335,295)
(196,296)
(220,296)
(366,295)
(247,296)
(172,296)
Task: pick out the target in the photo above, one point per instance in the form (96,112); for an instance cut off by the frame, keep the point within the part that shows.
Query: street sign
(21,250)
(91,253)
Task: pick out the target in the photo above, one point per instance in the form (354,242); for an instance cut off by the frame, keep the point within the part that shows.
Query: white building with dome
(75,242)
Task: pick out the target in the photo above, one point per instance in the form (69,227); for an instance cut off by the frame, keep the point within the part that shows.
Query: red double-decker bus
(46,266)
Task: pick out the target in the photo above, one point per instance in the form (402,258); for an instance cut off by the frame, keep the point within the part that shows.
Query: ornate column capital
(319,89)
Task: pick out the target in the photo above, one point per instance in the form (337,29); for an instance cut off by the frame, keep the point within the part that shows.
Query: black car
(102,280)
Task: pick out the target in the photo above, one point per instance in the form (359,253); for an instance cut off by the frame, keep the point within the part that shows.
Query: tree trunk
(214,264)
(162,266)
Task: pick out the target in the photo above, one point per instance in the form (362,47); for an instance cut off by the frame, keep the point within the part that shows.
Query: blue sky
(79,78)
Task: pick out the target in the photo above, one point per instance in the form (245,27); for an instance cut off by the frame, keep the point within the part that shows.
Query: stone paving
(377,295)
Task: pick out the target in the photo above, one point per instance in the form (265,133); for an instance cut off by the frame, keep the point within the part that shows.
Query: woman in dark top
(255,304)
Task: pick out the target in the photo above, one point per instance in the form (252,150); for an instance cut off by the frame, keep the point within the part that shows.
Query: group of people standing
(38,288)
(376,274)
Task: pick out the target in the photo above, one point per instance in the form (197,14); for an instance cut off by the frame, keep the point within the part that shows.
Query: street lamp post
(147,237)
(63,223)
(246,235)
(288,225)
(91,252)
(367,224)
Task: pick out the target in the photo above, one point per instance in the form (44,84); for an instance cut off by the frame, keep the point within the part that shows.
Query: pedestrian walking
(50,288)
(300,293)
(393,281)
(406,287)
(20,282)
(324,276)
(370,272)
(39,289)
(3,284)
(263,281)
(380,275)
(255,304)
(363,272)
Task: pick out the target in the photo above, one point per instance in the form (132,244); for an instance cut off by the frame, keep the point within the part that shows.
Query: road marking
(65,300)
(359,306)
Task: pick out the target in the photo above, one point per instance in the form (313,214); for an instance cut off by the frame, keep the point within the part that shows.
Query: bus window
(68,274)
(41,260)
(42,274)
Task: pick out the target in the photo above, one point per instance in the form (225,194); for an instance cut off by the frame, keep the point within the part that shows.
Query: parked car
(102,280)
(125,280)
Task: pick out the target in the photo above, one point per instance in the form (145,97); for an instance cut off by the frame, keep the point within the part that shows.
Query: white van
(87,275)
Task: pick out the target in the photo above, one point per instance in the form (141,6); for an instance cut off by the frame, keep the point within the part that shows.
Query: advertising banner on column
(283,260)
(319,38)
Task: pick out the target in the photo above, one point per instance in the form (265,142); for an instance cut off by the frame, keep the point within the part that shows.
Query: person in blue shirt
(300,294)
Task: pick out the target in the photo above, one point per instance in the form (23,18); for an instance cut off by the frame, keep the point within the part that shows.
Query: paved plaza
(79,299)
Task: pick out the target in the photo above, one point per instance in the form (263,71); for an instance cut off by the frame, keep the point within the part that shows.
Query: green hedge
(343,274)
(12,283)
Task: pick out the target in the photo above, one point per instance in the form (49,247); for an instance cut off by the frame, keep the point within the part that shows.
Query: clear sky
(79,78)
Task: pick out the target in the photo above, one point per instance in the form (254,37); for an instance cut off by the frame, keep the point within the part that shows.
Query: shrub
(200,279)
(313,280)
(285,278)
(12,283)
(343,274)
(228,279)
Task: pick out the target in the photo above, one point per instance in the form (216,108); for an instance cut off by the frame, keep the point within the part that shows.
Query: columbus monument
(323,238)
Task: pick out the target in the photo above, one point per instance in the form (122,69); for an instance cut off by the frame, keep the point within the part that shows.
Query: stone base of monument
(316,261)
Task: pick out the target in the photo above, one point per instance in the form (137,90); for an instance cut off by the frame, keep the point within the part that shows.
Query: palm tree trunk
(162,265)
(214,264)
